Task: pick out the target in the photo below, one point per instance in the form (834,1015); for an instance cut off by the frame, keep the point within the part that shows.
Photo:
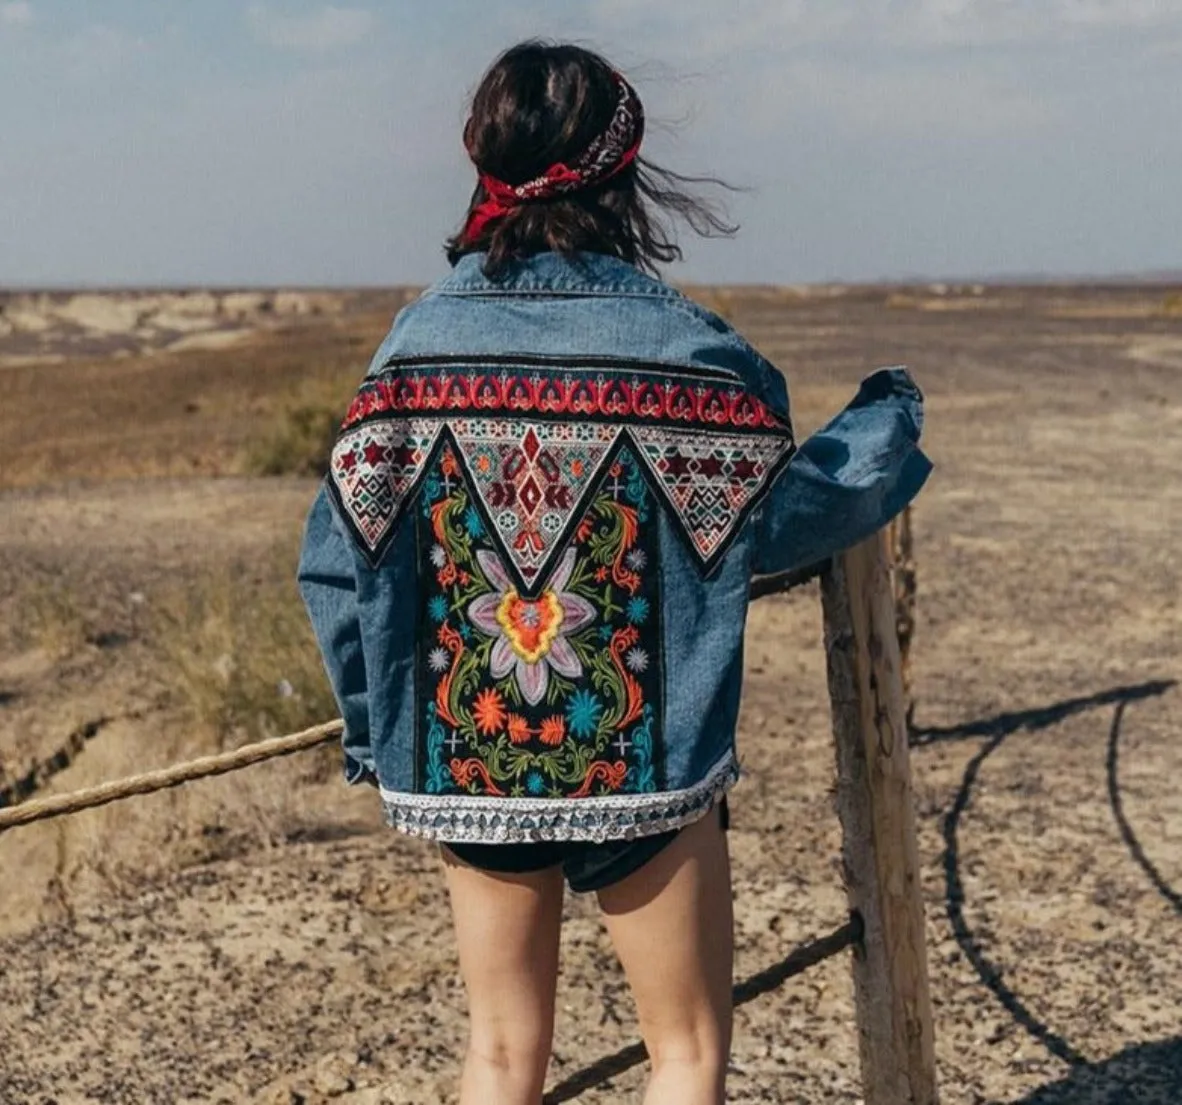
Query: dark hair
(542,103)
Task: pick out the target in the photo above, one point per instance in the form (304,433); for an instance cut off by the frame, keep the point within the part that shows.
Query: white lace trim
(478,819)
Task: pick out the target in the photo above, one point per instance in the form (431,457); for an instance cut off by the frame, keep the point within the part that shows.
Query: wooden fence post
(879,851)
(903,575)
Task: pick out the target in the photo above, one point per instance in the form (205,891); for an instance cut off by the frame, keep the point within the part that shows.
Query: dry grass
(53,620)
(300,438)
(239,650)
(1047,578)
(114,850)
(233,649)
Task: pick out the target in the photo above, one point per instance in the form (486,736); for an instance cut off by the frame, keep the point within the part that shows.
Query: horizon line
(1118,279)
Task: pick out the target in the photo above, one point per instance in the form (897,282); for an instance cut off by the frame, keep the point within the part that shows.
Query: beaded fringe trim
(478,819)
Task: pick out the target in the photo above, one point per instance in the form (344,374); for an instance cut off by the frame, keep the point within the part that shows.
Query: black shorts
(586,866)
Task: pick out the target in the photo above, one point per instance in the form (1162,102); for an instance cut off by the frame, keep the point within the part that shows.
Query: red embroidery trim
(445,393)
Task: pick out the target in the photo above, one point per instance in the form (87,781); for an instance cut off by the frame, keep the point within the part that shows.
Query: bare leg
(672,926)
(507,929)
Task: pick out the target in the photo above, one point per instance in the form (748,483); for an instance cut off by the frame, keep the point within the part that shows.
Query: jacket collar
(552,273)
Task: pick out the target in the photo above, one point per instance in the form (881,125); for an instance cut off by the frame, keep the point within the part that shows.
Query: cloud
(962,69)
(18,13)
(905,24)
(330,28)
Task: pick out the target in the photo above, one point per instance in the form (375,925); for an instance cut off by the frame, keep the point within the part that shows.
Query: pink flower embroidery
(531,634)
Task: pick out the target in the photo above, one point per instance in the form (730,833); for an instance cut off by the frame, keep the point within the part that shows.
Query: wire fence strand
(40,809)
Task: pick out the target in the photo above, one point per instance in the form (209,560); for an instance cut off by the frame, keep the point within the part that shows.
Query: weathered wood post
(903,577)
(879,851)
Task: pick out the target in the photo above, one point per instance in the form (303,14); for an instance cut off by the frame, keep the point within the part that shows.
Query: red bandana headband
(608,154)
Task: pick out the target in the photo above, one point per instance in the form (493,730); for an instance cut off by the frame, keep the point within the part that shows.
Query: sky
(147,142)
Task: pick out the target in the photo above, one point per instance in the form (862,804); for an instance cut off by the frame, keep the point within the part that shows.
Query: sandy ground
(1046,761)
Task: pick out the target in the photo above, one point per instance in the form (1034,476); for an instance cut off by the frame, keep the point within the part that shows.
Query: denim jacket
(528,566)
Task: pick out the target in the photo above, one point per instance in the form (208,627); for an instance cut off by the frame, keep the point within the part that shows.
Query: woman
(528,570)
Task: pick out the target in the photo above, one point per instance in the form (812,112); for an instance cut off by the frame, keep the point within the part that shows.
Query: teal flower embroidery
(535,784)
(582,714)
(638,609)
(473,523)
(437,608)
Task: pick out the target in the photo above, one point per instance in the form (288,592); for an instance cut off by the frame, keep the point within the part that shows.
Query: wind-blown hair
(541,104)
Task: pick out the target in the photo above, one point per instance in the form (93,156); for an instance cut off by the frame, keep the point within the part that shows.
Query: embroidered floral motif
(531,634)
(551,695)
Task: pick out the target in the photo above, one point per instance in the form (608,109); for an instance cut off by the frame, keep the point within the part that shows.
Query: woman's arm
(847,480)
(329,588)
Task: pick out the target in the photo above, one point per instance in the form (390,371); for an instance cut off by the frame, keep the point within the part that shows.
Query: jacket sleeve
(847,480)
(329,588)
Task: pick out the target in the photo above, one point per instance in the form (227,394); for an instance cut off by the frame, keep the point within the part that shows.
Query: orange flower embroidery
(489,711)
(519,730)
(553,731)
(531,625)
(600,575)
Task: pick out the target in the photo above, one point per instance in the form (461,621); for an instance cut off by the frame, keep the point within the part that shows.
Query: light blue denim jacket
(528,567)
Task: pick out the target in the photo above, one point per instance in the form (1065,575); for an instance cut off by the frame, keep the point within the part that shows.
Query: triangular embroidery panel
(711,481)
(532,481)
(373,470)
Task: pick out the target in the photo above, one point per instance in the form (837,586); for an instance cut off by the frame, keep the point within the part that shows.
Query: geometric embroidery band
(532,480)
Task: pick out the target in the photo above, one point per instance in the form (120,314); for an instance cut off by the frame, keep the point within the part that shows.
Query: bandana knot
(609,153)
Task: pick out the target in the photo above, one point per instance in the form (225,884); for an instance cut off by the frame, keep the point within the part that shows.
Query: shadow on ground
(1000,726)
(1142,1074)
(998,729)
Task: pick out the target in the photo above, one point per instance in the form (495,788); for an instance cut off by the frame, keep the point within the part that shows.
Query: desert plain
(263,938)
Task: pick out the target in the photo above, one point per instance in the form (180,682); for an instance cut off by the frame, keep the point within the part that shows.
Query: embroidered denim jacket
(528,567)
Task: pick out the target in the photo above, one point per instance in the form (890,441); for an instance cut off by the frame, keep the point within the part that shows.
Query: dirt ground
(262,938)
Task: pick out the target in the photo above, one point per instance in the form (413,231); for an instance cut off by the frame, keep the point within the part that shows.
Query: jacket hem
(478,819)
